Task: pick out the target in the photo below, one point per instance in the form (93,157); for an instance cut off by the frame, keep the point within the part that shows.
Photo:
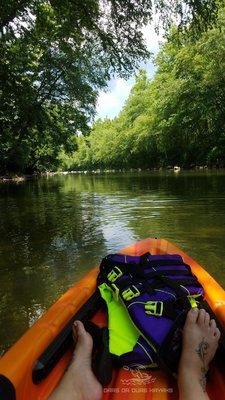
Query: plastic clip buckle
(130,293)
(114,274)
(154,308)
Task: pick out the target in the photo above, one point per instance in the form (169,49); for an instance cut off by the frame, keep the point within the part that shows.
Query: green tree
(178,116)
(56,55)
(190,105)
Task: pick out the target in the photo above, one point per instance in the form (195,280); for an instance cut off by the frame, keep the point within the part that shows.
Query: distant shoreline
(23,178)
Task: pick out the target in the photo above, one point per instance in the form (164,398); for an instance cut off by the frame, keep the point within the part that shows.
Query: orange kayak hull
(17,364)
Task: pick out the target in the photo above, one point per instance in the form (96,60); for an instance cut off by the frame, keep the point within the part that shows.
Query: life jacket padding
(157,291)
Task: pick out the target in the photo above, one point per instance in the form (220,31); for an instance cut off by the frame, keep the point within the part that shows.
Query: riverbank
(176,169)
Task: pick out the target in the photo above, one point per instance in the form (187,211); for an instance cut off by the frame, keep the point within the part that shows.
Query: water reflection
(54,230)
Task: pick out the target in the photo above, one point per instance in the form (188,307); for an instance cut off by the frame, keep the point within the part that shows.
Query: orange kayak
(32,368)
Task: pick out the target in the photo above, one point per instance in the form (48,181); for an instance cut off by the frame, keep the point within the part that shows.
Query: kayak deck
(17,364)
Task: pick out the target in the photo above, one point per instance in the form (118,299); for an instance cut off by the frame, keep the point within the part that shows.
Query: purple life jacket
(157,291)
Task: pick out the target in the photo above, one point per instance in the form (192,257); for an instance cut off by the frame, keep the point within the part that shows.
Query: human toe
(192,315)
(214,329)
(79,328)
(83,337)
(217,334)
(207,319)
(201,317)
(212,324)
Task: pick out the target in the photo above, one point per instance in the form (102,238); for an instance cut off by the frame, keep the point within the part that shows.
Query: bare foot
(200,341)
(79,382)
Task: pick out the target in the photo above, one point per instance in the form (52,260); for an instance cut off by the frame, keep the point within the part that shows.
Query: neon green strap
(192,300)
(124,339)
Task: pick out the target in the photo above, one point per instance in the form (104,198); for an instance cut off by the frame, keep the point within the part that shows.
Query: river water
(53,230)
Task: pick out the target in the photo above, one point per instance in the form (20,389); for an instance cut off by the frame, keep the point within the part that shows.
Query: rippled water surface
(52,231)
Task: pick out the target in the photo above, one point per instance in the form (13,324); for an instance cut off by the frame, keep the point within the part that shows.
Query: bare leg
(200,341)
(79,382)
